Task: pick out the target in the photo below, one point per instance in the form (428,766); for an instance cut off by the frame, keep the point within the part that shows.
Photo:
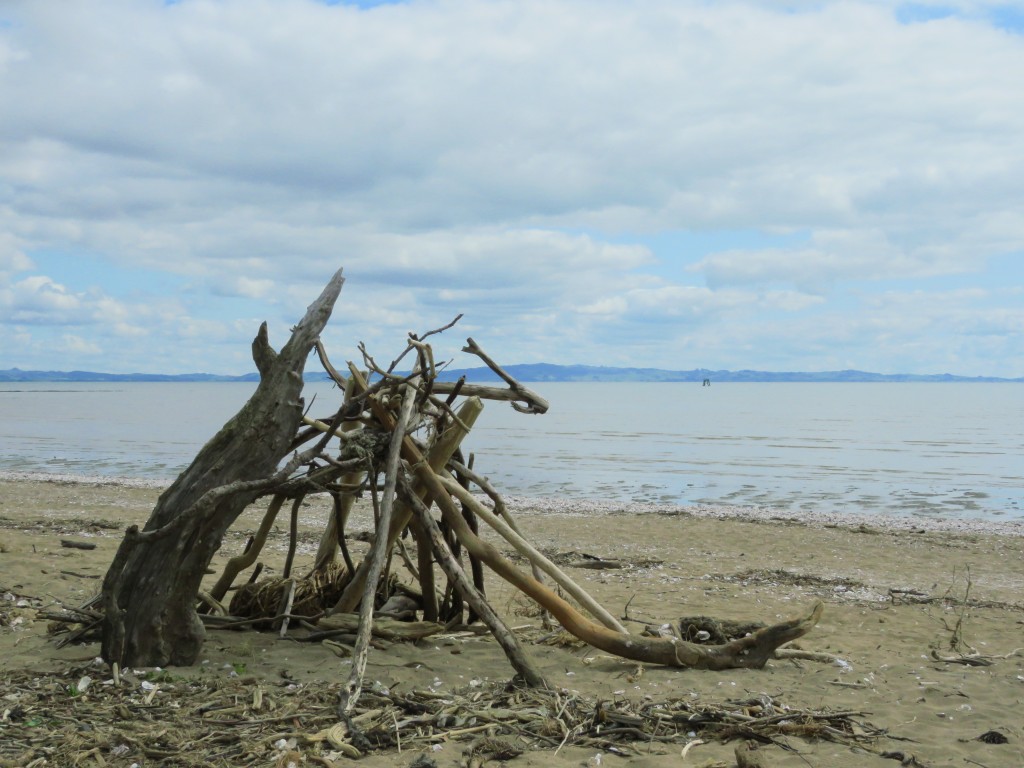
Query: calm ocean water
(942,450)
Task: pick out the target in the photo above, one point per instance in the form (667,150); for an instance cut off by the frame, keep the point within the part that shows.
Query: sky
(782,186)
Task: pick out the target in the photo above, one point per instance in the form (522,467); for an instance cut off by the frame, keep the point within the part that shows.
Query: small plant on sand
(956,642)
(247,649)
(160,676)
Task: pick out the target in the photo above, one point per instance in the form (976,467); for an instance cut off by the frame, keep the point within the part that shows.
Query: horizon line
(608,369)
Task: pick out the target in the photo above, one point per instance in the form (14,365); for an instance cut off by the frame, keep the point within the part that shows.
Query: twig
(349,695)
(442,329)
(326,363)
(794,653)
(235,622)
(287,608)
(403,552)
(293,536)
(534,402)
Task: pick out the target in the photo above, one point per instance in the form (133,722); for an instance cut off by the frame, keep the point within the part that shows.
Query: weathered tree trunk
(150,590)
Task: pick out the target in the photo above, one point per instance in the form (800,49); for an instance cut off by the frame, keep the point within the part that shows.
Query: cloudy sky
(666,183)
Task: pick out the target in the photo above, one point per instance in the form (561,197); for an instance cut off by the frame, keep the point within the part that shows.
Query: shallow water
(937,450)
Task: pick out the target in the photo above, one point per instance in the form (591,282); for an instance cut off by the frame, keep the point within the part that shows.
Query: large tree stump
(150,589)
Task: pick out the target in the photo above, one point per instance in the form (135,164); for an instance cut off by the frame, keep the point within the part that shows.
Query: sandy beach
(898,598)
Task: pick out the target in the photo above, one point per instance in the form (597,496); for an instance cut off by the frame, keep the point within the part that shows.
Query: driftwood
(407,427)
(378,554)
(751,651)
(383,627)
(333,539)
(72,544)
(238,564)
(149,592)
(505,637)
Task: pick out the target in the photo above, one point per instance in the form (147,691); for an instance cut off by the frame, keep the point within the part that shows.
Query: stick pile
(396,438)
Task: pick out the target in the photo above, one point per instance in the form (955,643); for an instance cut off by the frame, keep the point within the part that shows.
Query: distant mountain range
(537,372)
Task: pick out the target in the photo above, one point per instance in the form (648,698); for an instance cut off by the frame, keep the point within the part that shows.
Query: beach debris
(993,737)
(905,760)
(707,629)
(312,595)
(967,659)
(395,436)
(957,649)
(214,720)
(690,745)
(73,544)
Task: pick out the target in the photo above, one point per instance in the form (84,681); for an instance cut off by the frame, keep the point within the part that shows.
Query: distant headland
(535,372)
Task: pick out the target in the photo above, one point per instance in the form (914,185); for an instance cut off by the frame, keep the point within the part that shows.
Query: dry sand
(727,563)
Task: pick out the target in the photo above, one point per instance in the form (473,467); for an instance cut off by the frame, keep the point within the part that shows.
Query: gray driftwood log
(149,592)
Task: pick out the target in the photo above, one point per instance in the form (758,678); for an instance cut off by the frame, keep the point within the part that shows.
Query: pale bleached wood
(437,456)
(527,550)
(349,695)
(499,629)
(240,562)
(327,552)
(752,651)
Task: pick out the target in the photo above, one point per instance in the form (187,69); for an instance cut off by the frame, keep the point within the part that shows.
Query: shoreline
(759,514)
(577,507)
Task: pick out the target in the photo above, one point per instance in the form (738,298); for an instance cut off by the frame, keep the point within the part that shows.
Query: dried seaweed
(314,594)
(213,719)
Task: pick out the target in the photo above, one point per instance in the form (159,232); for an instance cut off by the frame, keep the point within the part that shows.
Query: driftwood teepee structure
(396,438)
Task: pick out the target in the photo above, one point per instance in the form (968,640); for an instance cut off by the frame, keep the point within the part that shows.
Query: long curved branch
(752,651)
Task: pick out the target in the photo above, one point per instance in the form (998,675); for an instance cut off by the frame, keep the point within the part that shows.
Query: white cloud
(72,344)
(831,256)
(609,305)
(458,112)
(12,258)
(248,287)
(507,159)
(790,301)
(918,331)
(40,299)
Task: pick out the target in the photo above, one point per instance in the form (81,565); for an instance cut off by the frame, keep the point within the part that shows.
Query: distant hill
(549,372)
(15,374)
(536,372)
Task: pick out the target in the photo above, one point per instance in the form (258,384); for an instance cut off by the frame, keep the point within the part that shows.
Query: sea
(926,450)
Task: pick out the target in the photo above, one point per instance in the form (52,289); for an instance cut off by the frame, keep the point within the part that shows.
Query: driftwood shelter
(395,438)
